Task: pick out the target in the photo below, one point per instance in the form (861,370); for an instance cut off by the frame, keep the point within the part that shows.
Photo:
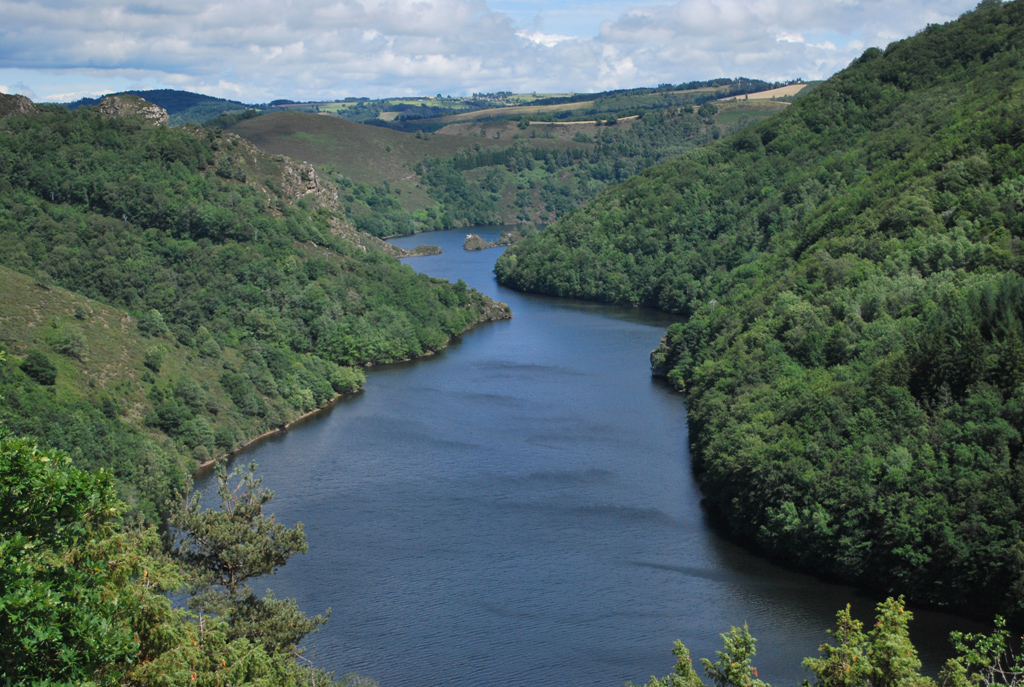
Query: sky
(260,50)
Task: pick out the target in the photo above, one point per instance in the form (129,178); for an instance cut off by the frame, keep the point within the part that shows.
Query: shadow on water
(519,510)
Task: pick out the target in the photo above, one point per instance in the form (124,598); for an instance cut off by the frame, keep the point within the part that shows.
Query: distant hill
(851,276)
(183,107)
(361,152)
(490,172)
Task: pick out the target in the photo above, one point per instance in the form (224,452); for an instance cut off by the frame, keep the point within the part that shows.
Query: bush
(40,368)
(154,358)
(152,323)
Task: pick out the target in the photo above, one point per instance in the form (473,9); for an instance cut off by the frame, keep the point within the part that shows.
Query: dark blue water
(519,510)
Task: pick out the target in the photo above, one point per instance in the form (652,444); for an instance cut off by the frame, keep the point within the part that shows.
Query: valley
(684,356)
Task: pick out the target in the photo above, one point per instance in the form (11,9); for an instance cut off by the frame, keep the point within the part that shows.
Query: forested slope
(170,293)
(850,273)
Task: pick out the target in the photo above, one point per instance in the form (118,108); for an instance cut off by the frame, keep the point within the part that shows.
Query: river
(519,510)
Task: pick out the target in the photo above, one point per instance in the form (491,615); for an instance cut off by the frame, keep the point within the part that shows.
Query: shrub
(40,368)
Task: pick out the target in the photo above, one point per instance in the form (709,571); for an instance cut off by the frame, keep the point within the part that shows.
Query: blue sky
(259,50)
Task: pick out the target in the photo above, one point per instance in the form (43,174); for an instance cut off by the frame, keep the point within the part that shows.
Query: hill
(183,107)
(367,154)
(850,274)
(492,172)
(167,294)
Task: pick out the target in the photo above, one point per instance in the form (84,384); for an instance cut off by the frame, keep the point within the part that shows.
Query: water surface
(519,510)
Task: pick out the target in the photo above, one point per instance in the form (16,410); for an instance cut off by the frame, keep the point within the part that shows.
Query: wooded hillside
(170,293)
(850,275)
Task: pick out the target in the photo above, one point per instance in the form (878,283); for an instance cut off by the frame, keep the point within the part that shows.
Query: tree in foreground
(224,548)
(882,657)
(83,597)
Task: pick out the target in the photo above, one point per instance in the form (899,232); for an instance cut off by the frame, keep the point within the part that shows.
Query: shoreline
(205,465)
(272,432)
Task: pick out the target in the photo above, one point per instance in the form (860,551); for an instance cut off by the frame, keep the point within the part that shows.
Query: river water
(519,510)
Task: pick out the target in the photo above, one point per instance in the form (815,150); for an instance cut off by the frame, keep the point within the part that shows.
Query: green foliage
(882,657)
(227,546)
(82,597)
(850,274)
(231,544)
(476,187)
(733,667)
(154,357)
(65,339)
(40,368)
(152,322)
(984,660)
(55,526)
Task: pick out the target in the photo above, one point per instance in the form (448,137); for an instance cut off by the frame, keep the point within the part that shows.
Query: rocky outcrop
(16,106)
(474,242)
(126,105)
(301,179)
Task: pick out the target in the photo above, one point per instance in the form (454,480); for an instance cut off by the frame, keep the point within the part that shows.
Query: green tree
(984,660)
(732,669)
(227,546)
(80,597)
(154,357)
(845,665)
(40,368)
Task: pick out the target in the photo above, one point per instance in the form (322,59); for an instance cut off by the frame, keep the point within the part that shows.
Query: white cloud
(73,96)
(256,50)
(548,40)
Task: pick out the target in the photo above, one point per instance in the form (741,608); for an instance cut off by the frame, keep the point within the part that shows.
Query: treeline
(242,302)
(850,274)
(736,86)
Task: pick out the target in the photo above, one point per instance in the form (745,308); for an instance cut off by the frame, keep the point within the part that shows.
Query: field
(784,92)
(505,129)
(515,111)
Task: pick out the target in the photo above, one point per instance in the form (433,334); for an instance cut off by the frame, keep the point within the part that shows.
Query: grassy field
(514,111)
(784,92)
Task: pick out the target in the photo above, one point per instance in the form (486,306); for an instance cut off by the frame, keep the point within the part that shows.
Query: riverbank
(495,312)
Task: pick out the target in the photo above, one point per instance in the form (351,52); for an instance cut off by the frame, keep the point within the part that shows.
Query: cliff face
(125,105)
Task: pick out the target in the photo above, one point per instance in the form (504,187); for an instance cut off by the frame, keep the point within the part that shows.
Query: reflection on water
(519,510)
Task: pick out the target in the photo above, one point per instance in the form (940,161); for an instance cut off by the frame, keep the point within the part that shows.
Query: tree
(732,669)
(40,368)
(883,657)
(80,596)
(83,597)
(989,657)
(225,547)
(845,665)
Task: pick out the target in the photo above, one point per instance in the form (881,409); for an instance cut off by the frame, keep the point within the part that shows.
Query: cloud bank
(257,50)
